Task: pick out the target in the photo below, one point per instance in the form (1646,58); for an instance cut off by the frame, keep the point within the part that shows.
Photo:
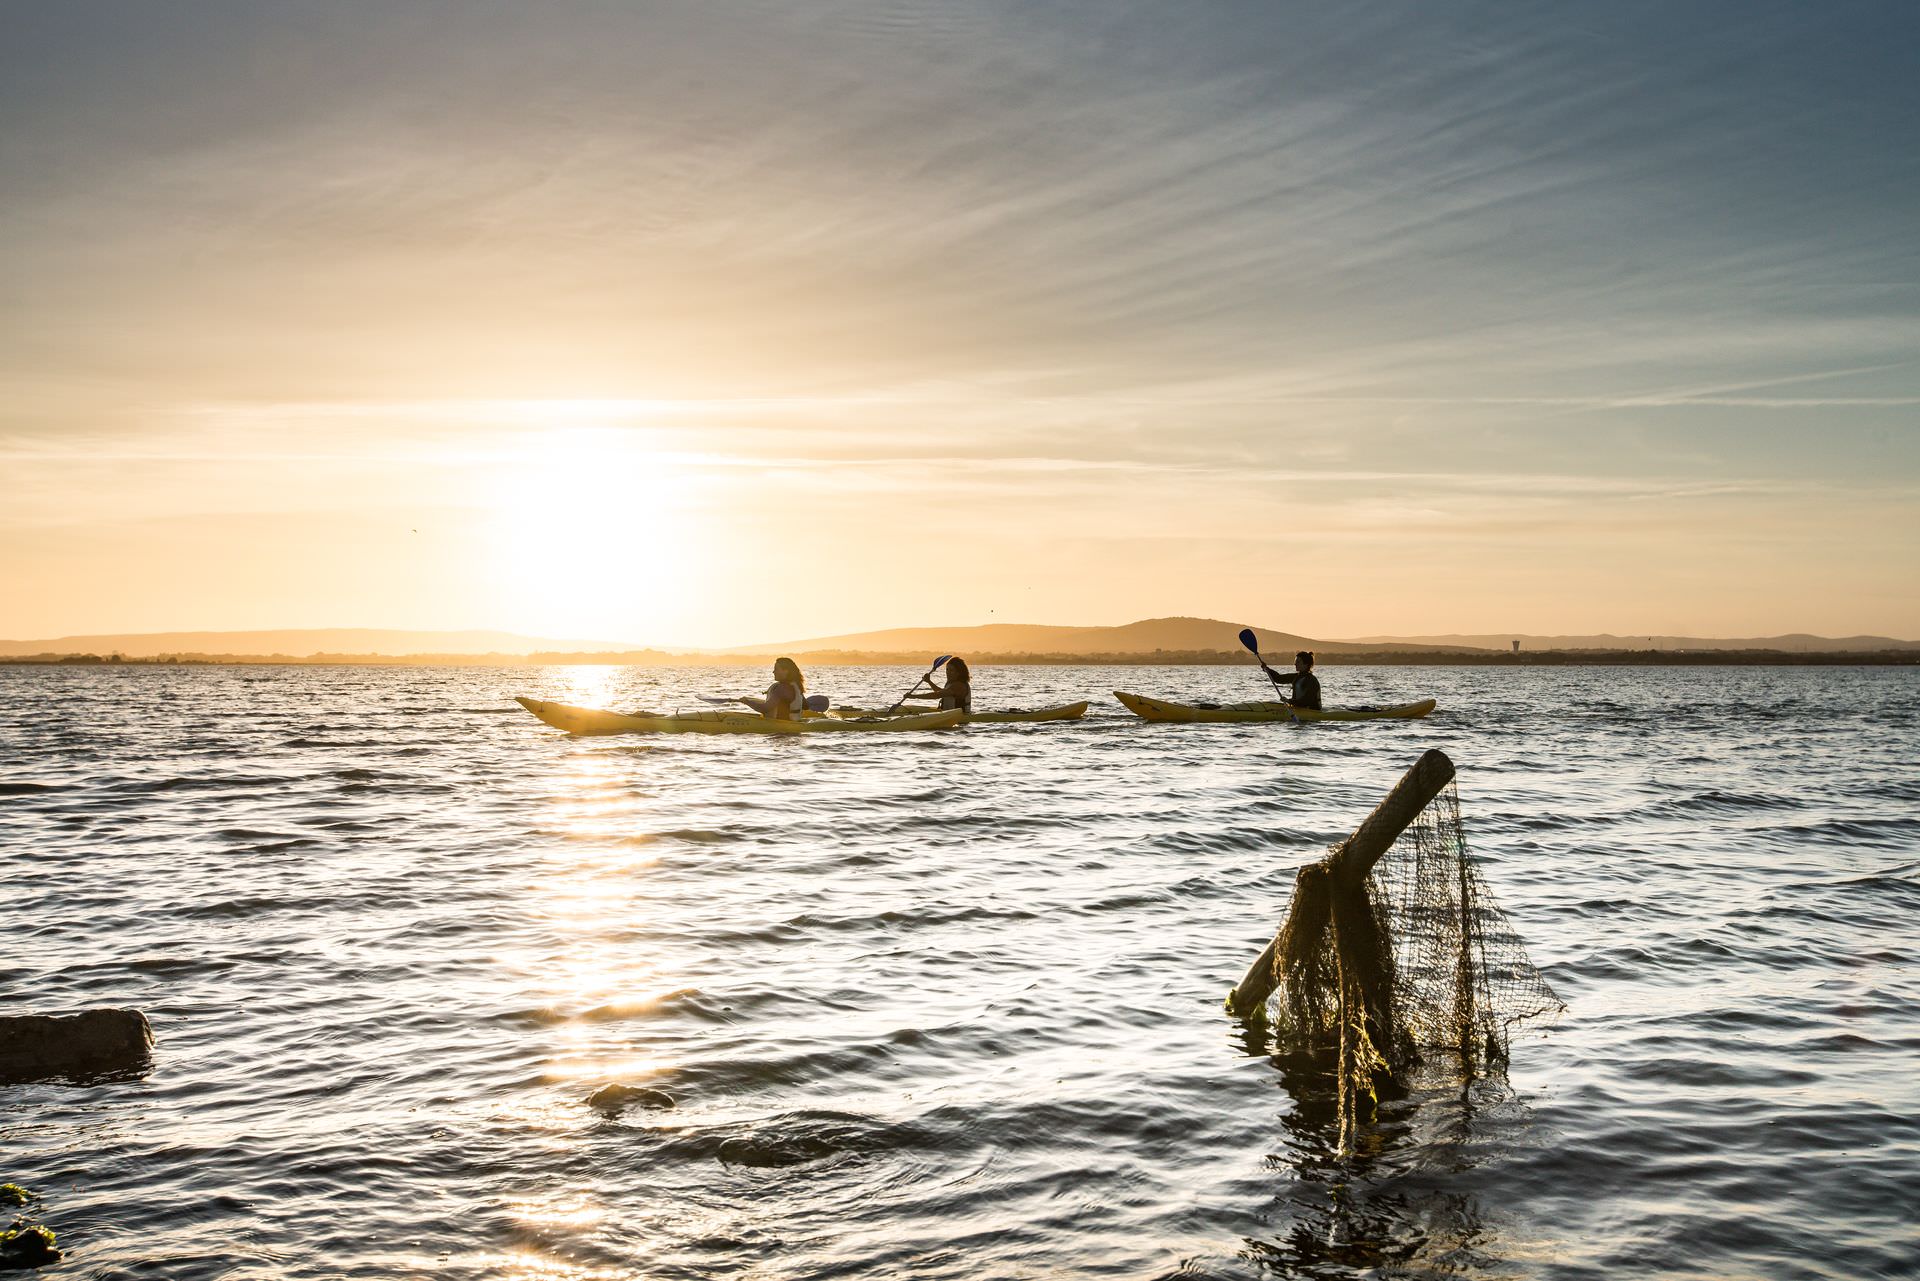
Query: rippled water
(943,1005)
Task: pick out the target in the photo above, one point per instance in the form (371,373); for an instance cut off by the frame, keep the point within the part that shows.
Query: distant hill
(1178,634)
(1796,643)
(301,644)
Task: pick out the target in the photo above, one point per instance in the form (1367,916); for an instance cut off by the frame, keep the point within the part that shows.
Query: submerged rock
(27,1247)
(38,1047)
(614,1099)
(777,1151)
(811,1135)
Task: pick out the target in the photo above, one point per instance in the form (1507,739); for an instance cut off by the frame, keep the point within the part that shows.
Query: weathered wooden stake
(1348,864)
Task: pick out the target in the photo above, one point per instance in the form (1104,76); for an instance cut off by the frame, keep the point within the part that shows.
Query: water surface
(943,1005)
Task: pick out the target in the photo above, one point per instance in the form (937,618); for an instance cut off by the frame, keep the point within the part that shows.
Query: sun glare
(590,535)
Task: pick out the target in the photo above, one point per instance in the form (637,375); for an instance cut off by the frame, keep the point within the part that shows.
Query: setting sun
(587,529)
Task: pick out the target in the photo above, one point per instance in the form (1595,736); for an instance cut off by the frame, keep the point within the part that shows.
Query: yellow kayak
(586,720)
(1155,709)
(1065,712)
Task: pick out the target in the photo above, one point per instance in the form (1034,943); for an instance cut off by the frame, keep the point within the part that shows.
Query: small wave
(1712,1069)
(1220,840)
(27,789)
(1892,789)
(1555,821)
(689,835)
(233,909)
(738,1074)
(251,834)
(178,965)
(338,743)
(687,998)
(1001,825)
(1746,1019)
(916,917)
(1905,876)
(1716,802)
(1128,902)
(280,847)
(1854,831)
(1898,887)
(207,782)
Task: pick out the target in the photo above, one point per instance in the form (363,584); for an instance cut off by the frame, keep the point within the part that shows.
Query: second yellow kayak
(1156,709)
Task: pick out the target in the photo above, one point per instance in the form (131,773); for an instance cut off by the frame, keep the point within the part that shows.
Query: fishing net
(1413,962)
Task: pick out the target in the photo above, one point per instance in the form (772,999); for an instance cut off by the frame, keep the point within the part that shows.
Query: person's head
(957,671)
(1303,661)
(785,669)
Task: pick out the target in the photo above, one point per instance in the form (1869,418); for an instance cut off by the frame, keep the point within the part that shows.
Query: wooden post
(1349,864)
(1251,993)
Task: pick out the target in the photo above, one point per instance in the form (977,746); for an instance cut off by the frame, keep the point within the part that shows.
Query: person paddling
(786,698)
(958,691)
(1306,686)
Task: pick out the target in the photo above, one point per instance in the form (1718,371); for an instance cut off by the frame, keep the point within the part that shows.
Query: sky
(709,323)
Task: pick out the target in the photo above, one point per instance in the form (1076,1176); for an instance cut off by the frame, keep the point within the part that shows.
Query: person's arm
(778,703)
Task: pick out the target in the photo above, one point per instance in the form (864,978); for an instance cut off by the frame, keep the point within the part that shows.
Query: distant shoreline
(1164,658)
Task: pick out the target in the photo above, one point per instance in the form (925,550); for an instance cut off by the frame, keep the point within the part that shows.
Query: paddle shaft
(917,684)
(1252,643)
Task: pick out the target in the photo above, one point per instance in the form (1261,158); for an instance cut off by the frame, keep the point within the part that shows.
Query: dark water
(943,1005)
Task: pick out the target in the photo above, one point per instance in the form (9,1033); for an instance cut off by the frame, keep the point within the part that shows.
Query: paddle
(1252,643)
(938,663)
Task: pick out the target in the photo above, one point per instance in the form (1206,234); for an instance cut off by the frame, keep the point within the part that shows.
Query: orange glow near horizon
(689,524)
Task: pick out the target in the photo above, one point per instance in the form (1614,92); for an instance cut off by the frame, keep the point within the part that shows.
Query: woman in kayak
(1306,686)
(958,691)
(786,698)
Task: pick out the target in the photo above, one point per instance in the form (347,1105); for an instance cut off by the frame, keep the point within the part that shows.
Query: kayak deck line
(1157,709)
(1065,712)
(594,721)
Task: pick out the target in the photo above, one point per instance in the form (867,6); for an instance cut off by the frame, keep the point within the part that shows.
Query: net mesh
(1416,961)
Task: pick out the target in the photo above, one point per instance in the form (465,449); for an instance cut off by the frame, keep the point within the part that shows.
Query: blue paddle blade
(818,702)
(1251,641)
(940,662)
